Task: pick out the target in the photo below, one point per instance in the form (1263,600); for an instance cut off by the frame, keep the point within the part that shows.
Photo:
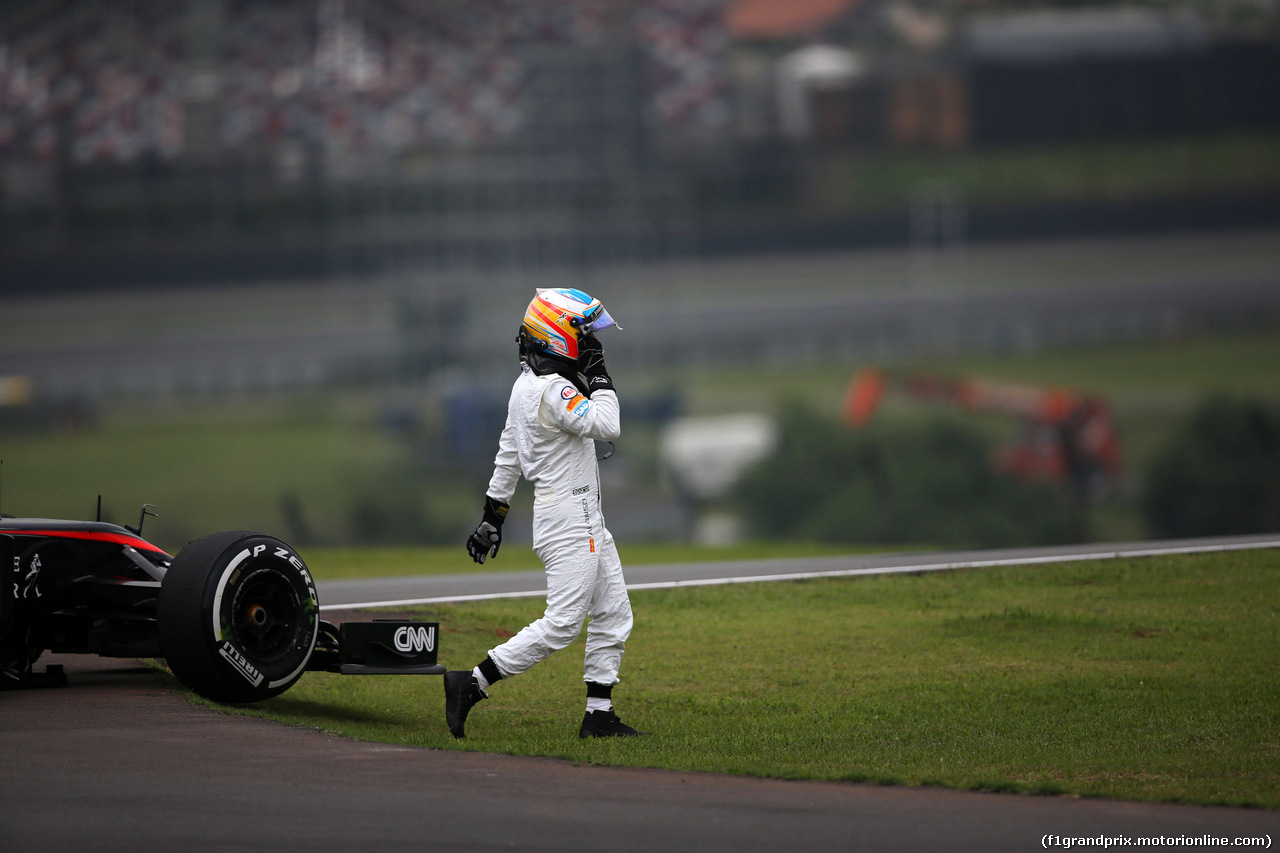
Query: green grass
(1152,679)
(1245,162)
(207,467)
(1160,376)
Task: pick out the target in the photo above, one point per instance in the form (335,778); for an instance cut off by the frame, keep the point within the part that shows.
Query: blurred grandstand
(232,139)
(379,129)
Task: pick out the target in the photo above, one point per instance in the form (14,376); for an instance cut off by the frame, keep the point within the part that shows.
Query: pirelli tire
(238,617)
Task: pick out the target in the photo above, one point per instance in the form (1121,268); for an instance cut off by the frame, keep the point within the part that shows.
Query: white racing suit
(548,438)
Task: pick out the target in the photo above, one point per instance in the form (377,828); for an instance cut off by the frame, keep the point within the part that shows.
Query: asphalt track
(119,760)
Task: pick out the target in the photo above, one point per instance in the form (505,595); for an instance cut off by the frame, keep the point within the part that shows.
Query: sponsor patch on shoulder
(582,408)
(568,392)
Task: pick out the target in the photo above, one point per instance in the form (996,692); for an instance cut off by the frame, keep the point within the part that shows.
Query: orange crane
(1067,436)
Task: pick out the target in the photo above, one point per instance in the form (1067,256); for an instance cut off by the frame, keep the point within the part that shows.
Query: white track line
(840,573)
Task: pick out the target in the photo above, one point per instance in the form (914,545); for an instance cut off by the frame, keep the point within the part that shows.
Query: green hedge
(933,483)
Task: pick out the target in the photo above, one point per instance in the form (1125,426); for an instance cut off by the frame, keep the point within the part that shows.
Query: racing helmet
(556,319)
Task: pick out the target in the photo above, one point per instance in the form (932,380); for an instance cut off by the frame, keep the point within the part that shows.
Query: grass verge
(1152,679)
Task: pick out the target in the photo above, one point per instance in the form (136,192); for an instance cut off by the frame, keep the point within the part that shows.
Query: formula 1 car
(235,614)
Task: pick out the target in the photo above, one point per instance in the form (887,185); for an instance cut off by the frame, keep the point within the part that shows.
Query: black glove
(591,364)
(488,533)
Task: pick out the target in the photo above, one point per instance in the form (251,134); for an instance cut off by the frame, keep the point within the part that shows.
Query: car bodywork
(92,587)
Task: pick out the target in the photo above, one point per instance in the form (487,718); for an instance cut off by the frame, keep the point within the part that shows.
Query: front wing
(380,647)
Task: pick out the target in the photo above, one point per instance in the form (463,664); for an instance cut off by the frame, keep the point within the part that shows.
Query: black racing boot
(461,692)
(605,724)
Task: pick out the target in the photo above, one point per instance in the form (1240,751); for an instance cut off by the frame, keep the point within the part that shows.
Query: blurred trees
(931,483)
(1219,475)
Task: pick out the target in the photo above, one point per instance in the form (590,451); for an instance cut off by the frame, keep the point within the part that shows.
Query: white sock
(484,682)
(594,704)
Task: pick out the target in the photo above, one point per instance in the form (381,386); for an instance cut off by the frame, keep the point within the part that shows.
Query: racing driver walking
(563,400)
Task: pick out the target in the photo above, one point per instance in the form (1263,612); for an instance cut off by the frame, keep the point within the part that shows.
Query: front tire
(239,617)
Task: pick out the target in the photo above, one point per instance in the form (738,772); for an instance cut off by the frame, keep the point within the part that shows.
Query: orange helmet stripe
(540,309)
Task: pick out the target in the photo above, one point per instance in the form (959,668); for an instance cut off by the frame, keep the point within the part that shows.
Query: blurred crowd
(116,82)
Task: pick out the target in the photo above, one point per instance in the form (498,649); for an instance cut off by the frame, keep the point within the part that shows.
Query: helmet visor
(597,321)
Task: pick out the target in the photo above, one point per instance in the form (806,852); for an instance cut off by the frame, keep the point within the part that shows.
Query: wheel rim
(264,616)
